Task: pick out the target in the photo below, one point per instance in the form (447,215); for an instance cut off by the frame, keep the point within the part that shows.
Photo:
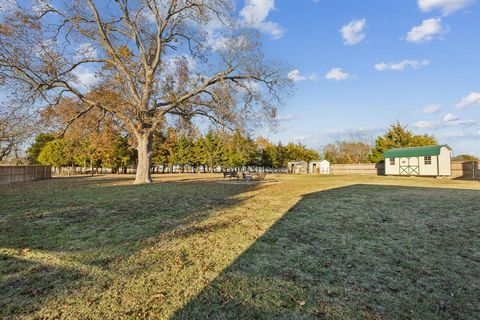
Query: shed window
(428,160)
(392,161)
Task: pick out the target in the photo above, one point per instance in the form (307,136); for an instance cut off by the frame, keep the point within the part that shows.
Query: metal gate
(409,166)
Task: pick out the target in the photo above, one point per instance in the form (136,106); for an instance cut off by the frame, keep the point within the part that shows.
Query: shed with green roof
(430,161)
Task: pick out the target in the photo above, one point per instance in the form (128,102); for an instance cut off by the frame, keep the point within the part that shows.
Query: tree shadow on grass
(58,238)
(363,251)
(24,284)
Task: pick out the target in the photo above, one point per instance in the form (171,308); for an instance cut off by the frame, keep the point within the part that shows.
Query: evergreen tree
(183,152)
(299,152)
(34,150)
(83,153)
(264,148)
(121,155)
(398,136)
(199,153)
(215,153)
(242,151)
(163,148)
(58,153)
(279,156)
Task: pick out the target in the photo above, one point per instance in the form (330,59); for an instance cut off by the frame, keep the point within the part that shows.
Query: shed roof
(415,151)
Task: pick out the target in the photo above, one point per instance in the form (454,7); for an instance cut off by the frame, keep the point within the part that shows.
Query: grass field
(197,247)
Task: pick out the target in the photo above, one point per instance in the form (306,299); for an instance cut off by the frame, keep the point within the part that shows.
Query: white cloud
(172,62)
(424,125)
(256,11)
(85,77)
(450,117)
(295,75)
(432,108)
(453,121)
(44,46)
(250,86)
(445,6)
(224,43)
(255,14)
(337,74)
(353,32)
(426,31)
(41,6)
(471,100)
(400,66)
(271,28)
(451,134)
(86,51)
(449,120)
(8,6)
(287,117)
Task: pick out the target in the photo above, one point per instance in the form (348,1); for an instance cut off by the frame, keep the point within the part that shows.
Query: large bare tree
(142,61)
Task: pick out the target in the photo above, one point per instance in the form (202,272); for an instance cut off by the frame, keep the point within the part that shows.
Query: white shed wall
(392,169)
(428,169)
(325,167)
(319,167)
(444,160)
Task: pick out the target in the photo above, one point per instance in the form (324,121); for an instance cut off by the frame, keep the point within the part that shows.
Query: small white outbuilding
(319,167)
(430,161)
(297,167)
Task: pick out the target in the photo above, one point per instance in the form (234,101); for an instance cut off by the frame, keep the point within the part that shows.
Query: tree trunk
(144,149)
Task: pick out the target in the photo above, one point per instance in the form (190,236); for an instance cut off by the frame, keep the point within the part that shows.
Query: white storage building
(297,167)
(319,167)
(430,161)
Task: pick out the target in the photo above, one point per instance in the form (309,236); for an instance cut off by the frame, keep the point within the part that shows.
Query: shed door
(409,166)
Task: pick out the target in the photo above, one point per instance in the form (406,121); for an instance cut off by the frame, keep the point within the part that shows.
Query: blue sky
(360,65)
(407,60)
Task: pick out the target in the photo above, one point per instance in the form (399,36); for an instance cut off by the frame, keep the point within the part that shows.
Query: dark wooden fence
(11,174)
(468,170)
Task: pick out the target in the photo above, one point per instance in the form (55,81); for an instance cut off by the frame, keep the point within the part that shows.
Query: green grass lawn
(197,247)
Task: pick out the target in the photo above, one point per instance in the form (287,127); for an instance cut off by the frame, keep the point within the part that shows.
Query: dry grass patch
(193,246)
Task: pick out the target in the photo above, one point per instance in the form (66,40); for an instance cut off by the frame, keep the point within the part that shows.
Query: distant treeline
(192,152)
